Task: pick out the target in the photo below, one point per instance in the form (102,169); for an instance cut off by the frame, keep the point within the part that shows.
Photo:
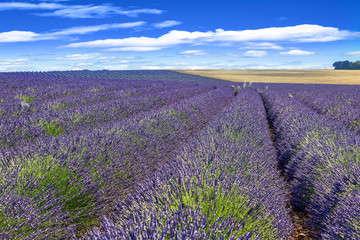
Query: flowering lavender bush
(165,155)
(342,107)
(321,160)
(224,184)
(66,182)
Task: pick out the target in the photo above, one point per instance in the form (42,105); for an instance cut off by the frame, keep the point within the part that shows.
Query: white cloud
(172,38)
(83,64)
(87,56)
(95,28)
(15,61)
(76,11)
(299,33)
(168,23)
(91,11)
(297,52)
(262,45)
(82,56)
(116,67)
(13,64)
(134,49)
(106,58)
(194,52)
(27,36)
(353,53)
(18,36)
(181,63)
(135,12)
(253,53)
(29,6)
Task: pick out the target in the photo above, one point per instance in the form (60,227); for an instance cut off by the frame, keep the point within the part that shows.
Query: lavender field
(166,155)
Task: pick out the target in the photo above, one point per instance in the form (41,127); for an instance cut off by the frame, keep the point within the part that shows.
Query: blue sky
(43,35)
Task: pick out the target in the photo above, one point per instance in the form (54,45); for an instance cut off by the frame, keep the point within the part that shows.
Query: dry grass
(326,76)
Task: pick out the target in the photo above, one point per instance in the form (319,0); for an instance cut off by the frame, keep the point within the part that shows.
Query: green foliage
(355,124)
(26,98)
(51,128)
(50,176)
(96,90)
(219,205)
(347,65)
(62,105)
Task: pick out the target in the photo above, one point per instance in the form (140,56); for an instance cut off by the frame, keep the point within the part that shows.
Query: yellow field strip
(323,76)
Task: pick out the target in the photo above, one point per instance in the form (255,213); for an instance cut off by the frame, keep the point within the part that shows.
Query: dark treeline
(346,65)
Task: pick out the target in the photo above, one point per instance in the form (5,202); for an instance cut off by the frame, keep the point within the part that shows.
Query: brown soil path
(299,219)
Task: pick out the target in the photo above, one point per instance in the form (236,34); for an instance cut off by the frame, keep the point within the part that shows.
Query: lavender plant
(78,177)
(319,157)
(222,185)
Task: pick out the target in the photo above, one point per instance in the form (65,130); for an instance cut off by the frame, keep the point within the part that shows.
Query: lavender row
(62,186)
(130,76)
(224,184)
(330,105)
(62,95)
(321,160)
(32,125)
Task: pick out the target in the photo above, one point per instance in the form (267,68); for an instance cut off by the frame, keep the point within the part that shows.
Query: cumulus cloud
(172,38)
(168,23)
(297,52)
(18,36)
(262,45)
(134,49)
(194,52)
(253,53)
(86,56)
(299,33)
(28,36)
(353,53)
(82,56)
(76,11)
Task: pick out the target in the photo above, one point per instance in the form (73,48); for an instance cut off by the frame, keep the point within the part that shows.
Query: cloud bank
(305,33)
(253,53)
(76,11)
(168,23)
(28,36)
(297,52)
(353,53)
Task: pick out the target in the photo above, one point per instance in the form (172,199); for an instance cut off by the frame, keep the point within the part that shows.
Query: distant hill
(347,65)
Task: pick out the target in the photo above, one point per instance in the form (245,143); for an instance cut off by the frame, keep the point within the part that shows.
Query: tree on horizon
(347,65)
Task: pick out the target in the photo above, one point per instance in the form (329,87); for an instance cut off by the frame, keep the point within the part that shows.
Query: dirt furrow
(299,218)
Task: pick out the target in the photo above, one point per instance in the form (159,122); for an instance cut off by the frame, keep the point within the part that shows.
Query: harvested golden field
(323,76)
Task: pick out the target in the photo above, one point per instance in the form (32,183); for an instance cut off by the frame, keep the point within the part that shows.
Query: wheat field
(323,76)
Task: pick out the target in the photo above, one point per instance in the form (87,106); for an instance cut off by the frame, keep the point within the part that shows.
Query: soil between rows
(299,218)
